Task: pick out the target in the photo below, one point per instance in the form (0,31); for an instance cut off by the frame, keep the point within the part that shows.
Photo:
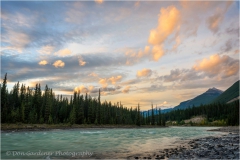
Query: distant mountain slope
(212,95)
(205,98)
(228,95)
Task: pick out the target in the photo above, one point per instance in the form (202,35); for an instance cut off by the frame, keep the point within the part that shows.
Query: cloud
(75,13)
(214,66)
(236,51)
(177,75)
(59,63)
(81,62)
(44,62)
(63,52)
(81,89)
(157,52)
(126,89)
(99,1)
(153,88)
(134,57)
(131,81)
(17,40)
(163,104)
(178,42)
(115,79)
(224,66)
(137,4)
(46,49)
(215,20)
(168,22)
(93,74)
(103,82)
(144,73)
(228,46)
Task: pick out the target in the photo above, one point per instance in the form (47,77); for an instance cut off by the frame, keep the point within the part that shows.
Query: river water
(94,143)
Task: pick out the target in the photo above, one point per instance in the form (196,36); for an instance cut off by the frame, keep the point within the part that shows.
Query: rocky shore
(213,147)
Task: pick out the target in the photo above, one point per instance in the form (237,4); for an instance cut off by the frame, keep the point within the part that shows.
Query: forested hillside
(231,93)
(227,113)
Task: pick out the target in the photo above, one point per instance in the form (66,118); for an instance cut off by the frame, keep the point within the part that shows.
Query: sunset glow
(134,52)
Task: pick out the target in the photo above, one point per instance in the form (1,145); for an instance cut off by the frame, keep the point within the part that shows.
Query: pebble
(225,147)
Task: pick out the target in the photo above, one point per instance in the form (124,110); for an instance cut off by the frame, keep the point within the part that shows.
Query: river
(94,143)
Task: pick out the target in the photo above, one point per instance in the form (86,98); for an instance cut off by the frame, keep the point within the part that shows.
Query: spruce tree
(153,118)
(4,95)
(138,118)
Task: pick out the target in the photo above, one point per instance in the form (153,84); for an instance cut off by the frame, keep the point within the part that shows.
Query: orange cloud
(115,79)
(136,4)
(84,89)
(81,62)
(46,49)
(164,103)
(186,4)
(218,65)
(43,63)
(103,82)
(168,21)
(99,1)
(144,73)
(178,41)
(157,52)
(93,74)
(63,52)
(81,89)
(126,89)
(236,51)
(59,63)
(207,64)
(90,88)
(215,20)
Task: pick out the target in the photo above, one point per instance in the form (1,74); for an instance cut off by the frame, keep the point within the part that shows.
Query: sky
(142,52)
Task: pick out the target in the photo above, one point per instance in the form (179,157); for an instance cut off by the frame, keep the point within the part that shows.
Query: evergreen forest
(23,104)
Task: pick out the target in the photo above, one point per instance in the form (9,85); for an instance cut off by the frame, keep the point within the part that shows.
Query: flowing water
(94,143)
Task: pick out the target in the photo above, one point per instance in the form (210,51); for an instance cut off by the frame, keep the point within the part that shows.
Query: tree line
(26,105)
(227,113)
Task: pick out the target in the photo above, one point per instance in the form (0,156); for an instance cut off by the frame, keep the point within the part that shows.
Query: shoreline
(47,127)
(223,146)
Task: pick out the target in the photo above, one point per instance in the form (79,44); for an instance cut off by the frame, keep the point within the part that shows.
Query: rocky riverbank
(225,146)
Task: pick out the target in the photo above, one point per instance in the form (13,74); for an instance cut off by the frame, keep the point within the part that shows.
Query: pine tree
(138,118)
(47,104)
(153,119)
(4,95)
(159,117)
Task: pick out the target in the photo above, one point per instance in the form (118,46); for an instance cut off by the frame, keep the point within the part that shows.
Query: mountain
(205,98)
(155,111)
(229,95)
(212,95)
